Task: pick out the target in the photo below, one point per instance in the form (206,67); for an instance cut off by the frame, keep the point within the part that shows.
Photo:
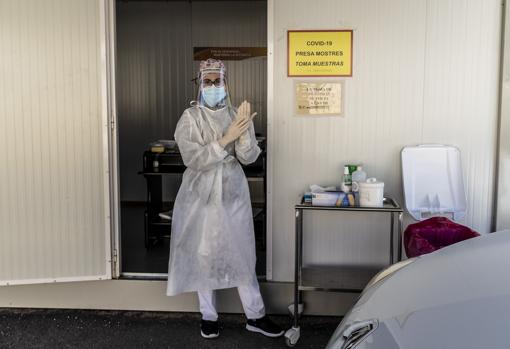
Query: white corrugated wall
(52,177)
(424,71)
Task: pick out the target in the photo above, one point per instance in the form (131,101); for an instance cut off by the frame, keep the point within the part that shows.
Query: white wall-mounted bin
(433,181)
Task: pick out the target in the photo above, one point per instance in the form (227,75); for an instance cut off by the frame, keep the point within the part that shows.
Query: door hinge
(115,256)
(112,125)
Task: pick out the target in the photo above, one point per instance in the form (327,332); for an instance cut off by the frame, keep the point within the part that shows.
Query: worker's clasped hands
(240,124)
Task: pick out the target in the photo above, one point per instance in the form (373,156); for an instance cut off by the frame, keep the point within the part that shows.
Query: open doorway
(159,46)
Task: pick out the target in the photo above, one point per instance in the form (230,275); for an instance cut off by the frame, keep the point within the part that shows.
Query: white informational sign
(319,98)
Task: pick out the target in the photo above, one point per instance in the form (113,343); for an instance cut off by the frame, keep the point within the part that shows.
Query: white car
(457,297)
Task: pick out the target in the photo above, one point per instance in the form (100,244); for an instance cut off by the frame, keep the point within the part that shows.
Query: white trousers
(251,299)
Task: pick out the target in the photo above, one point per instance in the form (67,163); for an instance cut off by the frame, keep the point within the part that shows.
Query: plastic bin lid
(433,183)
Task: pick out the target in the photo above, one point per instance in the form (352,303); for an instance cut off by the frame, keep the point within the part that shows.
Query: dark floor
(137,258)
(24,328)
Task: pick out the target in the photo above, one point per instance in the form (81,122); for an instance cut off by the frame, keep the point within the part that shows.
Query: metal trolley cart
(157,165)
(335,279)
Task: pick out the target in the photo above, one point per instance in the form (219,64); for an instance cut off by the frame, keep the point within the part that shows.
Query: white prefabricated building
(80,77)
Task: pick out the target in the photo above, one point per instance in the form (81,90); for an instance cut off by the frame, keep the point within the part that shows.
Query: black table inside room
(145,235)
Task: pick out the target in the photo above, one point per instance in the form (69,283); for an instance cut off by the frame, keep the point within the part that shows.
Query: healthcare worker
(212,242)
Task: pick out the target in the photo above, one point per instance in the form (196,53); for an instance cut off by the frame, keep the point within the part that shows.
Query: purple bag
(434,233)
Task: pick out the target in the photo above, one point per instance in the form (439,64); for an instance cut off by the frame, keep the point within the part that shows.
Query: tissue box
(328,198)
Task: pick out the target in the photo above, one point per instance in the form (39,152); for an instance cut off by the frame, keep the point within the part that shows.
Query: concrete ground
(41,328)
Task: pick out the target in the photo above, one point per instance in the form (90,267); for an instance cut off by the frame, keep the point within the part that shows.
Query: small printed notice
(228,53)
(319,53)
(320,98)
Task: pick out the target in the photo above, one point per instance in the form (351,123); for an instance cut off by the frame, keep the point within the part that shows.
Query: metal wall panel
(503,194)
(52,179)
(237,24)
(424,71)
(154,72)
(155,68)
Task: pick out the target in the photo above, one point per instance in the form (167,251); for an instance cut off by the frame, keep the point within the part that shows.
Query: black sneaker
(209,329)
(265,326)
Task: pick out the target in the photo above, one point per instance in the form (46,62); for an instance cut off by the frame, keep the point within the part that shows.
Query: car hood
(478,323)
(475,270)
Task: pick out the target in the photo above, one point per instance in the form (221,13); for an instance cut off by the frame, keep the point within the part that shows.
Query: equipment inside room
(159,47)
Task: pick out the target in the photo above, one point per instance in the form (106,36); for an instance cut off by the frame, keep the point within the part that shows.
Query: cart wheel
(292,336)
(289,343)
(301,306)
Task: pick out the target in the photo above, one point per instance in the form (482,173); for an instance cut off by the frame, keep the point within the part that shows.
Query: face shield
(212,85)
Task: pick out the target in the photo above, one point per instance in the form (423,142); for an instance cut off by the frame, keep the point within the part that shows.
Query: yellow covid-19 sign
(319,52)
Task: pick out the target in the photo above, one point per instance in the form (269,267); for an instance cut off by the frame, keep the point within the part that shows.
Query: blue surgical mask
(213,95)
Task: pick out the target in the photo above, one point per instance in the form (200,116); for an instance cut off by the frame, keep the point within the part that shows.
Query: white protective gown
(212,242)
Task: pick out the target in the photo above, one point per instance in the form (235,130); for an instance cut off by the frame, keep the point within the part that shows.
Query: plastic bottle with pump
(358,176)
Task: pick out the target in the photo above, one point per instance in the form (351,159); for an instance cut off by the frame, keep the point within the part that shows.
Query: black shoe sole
(210,336)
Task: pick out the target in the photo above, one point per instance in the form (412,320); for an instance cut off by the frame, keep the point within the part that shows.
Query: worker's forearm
(223,141)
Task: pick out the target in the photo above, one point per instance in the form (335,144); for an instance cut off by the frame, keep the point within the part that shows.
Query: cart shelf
(336,279)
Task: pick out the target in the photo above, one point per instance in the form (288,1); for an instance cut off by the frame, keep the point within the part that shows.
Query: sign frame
(319,30)
(245,52)
(341,82)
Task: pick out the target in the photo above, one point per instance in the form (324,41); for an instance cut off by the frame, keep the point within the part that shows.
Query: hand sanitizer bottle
(346,181)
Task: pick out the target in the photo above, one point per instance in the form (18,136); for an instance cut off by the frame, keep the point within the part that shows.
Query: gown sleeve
(195,153)
(246,146)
